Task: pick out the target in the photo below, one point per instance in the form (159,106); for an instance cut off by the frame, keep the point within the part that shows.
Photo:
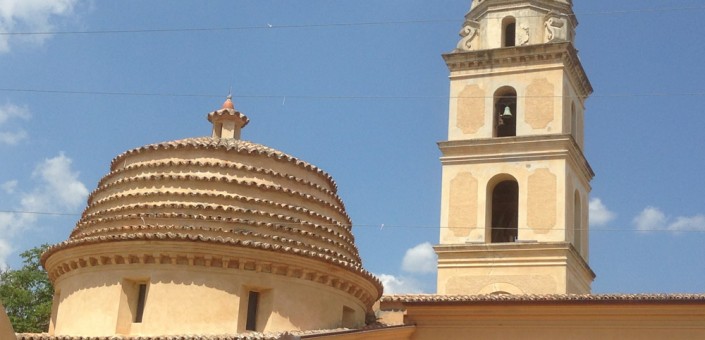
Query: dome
(198,225)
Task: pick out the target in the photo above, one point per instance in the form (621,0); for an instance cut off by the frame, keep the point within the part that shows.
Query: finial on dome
(228,104)
(227,122)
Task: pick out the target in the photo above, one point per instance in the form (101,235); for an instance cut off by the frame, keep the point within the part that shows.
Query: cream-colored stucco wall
(530,18)
(6,330)
(196,298)
(514,268)
(193,302)
(540,101)
(579,321)
(466,189)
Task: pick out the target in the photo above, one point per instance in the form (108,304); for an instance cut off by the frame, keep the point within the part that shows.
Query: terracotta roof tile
(558,298)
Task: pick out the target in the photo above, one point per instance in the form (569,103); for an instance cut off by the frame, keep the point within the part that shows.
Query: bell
(507,114)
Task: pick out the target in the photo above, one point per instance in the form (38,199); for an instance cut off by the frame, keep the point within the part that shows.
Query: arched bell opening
(504,218)
(505,112)
(509,28)
(577,222)
(573,121)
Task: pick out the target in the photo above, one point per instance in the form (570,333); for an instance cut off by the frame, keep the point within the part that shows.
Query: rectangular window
(141,297)
(252,304)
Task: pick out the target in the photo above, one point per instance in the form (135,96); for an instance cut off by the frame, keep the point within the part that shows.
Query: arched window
(577,222)
(505,112)
(573,121)
(505,212)
(509,28)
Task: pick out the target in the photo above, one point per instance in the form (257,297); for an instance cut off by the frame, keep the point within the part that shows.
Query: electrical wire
(383,226)
(339,97)
(270,26)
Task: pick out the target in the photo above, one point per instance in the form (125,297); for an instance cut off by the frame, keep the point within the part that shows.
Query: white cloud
(57,190)
(650,219)
(12,138)
(653,219)
(9,187)
(61,188)
(7,113)
(30,16)
(420,259)
(5,250)
(399,285)
(599,213)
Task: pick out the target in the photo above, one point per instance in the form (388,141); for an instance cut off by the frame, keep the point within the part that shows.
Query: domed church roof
(221,203)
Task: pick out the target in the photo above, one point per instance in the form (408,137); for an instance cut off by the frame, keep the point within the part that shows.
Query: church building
(220,238)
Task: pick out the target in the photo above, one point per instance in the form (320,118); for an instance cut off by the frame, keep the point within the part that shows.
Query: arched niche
(505,101)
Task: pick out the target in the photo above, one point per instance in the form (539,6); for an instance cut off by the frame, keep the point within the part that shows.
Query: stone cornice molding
(529,55)
(510,253)
(227,113)
(59,261)
(228,145)
(508,149)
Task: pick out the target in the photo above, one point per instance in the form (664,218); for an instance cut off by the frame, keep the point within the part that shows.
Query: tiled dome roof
(232,191)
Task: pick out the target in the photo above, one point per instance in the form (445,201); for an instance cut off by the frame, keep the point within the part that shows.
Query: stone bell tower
(514,208)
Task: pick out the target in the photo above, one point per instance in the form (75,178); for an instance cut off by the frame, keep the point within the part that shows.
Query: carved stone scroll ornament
(523,35)
(556,28)
(468,33)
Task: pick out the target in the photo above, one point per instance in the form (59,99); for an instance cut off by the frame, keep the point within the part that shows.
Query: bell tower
(515,184)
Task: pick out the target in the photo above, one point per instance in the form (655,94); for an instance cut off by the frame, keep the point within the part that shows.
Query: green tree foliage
(27,294)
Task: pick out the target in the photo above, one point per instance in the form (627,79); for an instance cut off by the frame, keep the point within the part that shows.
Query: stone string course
(537,54)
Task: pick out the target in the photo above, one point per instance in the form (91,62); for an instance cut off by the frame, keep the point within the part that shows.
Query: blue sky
(364,102)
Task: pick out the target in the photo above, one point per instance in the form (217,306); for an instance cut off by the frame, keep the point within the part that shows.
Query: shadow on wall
(6,331)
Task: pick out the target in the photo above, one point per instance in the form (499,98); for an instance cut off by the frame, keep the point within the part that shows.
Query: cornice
(529,55)
(58,262)
(515,254)
(511,149)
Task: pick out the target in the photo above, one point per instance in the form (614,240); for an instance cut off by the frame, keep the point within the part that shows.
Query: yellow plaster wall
(541,200)
(195,302)
(6,330)
(546,322)
(540,108)
(540,268)
(529,27)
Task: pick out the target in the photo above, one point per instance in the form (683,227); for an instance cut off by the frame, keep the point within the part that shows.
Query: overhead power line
(399,226)
(332,97)
(271,26)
